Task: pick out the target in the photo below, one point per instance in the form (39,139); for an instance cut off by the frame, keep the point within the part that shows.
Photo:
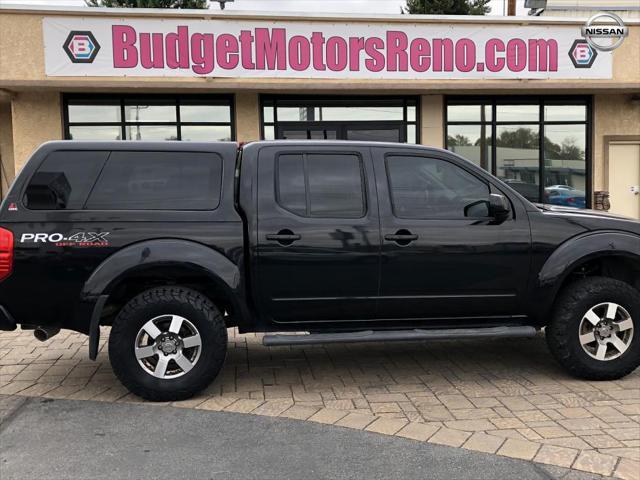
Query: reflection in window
(206,133)
(517,158)
(564,160)
(151,132)
(158,181)
(471,142)
(150,113)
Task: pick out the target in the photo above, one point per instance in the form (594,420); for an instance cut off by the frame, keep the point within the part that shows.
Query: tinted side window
(158,181)
(429,188)
(63,180)
(321,185)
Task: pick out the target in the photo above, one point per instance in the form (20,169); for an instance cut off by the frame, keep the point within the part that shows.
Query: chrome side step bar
(275,340)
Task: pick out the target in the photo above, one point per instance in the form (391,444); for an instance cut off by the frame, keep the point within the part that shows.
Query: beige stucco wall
(613,115)
(432,120)
(6,148)
(22,61)
(247,117)
(36,119)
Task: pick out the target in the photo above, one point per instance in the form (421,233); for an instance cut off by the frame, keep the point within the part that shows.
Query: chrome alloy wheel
(168,346)
(606,331)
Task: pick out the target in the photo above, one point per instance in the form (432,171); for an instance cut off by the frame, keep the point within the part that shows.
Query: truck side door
(318,233)
(442,256)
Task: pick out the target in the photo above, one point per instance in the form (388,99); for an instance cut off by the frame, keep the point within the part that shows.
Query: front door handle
(283,237)
(402,237)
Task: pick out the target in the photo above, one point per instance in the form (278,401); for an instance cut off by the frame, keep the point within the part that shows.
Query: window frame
(540,101)
(304,154)
(437,159)
(127,99)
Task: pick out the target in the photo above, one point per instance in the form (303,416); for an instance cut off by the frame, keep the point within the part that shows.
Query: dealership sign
(288,49)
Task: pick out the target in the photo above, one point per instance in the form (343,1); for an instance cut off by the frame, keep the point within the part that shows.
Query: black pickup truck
(172,243)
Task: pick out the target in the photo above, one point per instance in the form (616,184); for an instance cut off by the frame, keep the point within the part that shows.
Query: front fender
(570,255)
(583,248)
(149,254)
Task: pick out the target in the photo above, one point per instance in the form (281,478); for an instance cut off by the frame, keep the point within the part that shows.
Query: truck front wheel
(168,343)
(595,328)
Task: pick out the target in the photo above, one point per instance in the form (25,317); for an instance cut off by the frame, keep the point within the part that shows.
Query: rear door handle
(402,237)
(283,237)
(396,237)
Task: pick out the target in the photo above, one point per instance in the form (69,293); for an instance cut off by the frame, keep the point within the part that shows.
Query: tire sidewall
(125,331)
(608,293)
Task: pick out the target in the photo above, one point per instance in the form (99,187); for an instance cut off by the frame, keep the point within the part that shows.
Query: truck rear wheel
(168,343)
(595,329)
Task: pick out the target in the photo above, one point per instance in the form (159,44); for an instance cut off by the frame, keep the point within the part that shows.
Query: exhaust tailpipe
(45,333)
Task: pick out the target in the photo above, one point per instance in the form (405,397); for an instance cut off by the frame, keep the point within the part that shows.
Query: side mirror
(499,207)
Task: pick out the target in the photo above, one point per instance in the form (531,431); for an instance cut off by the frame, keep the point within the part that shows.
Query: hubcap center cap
(169,344)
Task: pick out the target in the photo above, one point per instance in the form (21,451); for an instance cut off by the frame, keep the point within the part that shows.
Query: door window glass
(321,185)
(64,180)
(424,188)
(158,181)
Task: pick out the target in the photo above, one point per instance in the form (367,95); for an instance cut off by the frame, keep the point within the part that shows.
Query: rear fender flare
(157,253)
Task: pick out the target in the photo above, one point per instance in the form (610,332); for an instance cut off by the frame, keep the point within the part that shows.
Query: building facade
(525,98)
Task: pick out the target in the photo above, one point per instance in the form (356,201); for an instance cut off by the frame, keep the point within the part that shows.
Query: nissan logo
(593,30)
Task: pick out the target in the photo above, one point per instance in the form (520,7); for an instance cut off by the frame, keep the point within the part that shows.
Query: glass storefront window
(556,173)
(105,133)
(149,117)
(94,113)
(469,113)
(205,113)
(517,113)
(562,113)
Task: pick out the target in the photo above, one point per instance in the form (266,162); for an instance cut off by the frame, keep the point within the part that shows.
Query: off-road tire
(190,304)
(562,332)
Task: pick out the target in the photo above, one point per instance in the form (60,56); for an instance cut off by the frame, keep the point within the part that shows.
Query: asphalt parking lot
(503,398)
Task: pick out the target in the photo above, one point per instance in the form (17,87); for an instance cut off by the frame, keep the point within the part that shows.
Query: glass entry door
(364,131)
(365,118)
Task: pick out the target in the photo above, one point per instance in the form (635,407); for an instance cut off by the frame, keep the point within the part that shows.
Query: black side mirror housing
(499,207)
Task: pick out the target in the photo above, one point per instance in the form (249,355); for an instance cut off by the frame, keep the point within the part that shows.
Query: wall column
(432,120)
(247,117)
(6,149)
(36,118)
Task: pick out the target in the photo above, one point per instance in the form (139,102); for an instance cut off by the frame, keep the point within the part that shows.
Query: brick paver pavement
(498,396)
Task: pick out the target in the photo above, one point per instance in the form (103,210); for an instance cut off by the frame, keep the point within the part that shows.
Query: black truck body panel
(338,274)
